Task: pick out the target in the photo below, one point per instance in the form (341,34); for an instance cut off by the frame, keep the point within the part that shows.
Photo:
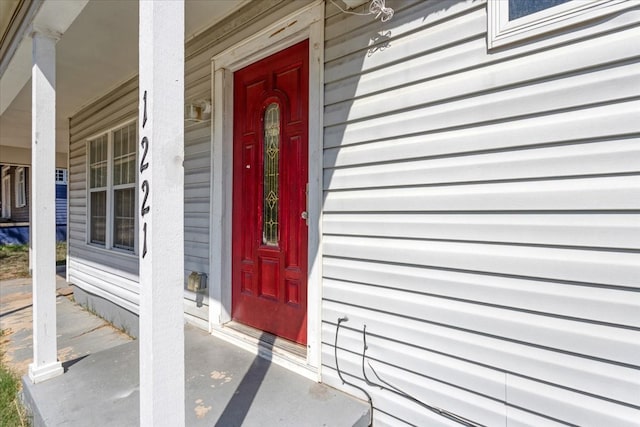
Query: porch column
(161,241)
(43,207)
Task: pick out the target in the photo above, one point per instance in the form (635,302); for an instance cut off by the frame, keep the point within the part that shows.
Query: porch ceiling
(97,52)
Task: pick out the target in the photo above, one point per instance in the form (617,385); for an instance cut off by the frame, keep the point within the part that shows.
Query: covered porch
(75,53)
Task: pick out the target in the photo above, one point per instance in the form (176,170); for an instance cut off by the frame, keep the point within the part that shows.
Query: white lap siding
(481,217)
(108,274)
(111,274)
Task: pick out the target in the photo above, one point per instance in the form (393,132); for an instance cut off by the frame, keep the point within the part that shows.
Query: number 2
(145,146)
(145,188)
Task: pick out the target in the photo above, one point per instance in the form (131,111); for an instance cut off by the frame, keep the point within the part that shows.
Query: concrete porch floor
(225,385)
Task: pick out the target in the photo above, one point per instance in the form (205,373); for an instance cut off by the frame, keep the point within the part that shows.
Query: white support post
(43,201)
(161,184)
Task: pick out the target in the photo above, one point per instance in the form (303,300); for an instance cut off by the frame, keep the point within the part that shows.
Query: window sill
(112,251)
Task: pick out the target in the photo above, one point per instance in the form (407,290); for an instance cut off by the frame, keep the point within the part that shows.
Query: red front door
(270,139)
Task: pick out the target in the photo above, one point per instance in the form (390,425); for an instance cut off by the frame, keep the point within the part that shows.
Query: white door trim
(307,23)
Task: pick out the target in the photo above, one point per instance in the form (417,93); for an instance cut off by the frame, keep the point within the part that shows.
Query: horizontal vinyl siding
(61,204)
(197,187)
(109,274)
(61,211)
(121,105)
(481,218)
(118,106)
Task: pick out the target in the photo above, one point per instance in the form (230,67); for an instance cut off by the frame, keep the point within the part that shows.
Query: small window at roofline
(512,21)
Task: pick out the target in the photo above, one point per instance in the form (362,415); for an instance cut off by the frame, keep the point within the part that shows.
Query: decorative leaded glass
(270,195)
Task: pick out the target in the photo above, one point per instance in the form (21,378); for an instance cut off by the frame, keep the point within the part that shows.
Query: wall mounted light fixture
(197,111)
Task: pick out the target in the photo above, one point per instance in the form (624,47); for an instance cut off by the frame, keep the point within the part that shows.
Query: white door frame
(307,23)
(6,196)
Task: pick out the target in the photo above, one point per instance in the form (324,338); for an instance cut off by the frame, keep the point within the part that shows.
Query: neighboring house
(14,196)
(14,193)
(14,204)
(460,180)
(61,201)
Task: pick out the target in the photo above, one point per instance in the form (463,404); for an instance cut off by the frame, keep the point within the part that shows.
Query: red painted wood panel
(270,280)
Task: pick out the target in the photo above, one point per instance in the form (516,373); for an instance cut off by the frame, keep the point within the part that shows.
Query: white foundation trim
(307,23)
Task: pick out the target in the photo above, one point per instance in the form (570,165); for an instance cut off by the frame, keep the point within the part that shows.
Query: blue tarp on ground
(20,235)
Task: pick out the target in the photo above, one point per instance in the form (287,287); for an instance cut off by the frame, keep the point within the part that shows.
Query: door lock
(305,215)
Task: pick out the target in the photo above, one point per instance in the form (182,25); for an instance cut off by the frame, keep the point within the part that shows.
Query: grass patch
(14,260)
(12,413)
(61,253)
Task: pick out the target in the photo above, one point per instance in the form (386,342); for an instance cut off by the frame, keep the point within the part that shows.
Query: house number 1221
(144,165)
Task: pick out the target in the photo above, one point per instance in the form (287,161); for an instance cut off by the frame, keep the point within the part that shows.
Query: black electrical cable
(335,353)
(391,387)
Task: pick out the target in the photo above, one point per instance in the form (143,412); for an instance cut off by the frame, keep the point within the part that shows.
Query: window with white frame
(61,176)
(112,188)
(512,21)
(21,188)
(5,200)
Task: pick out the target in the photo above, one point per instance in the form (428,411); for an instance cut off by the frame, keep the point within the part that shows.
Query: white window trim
(110,188)
(6,195)
(306,23)
(502,32)
(21,187)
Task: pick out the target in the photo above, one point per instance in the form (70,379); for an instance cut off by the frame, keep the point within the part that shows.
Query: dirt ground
(16,324)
